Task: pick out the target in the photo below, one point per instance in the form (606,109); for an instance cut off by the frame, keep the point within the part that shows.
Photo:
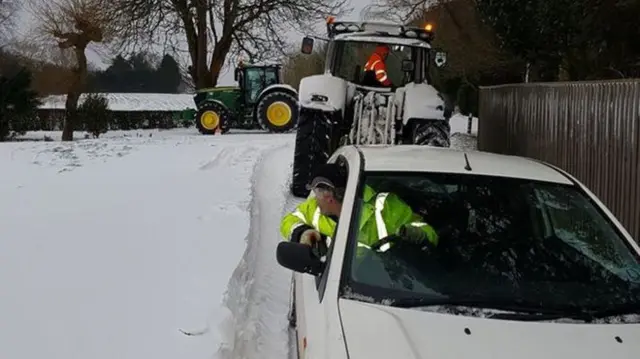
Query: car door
(316,297)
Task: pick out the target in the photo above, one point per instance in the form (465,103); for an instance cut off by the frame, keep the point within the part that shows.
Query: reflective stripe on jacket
(382,214)
(377,65)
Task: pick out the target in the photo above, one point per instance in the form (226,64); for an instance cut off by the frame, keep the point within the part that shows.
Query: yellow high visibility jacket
(382,214)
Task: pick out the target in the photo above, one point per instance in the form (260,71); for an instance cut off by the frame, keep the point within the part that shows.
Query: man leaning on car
(383,214)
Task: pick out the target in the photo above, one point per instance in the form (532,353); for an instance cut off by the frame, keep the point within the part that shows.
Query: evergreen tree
(18,104)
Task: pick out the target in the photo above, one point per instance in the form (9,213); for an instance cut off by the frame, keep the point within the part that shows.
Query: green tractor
(261,101)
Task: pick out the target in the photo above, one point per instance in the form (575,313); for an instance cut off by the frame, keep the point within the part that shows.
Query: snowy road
(108,247)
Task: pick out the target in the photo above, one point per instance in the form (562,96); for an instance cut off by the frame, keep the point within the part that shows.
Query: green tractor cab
(261,101)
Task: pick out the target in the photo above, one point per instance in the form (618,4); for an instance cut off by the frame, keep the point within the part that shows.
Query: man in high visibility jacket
(376,63)
(383,214)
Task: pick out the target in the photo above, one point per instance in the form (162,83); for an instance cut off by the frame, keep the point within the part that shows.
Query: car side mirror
(407,65)
(440,59)
(299,258)
(307,45)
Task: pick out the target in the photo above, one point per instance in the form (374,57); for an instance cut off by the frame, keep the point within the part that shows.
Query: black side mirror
(407,65)
(236,74)
(307,45)
(299,258)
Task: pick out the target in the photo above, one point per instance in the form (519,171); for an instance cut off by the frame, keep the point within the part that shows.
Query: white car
(530,265)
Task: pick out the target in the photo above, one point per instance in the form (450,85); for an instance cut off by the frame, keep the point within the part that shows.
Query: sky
(98,59)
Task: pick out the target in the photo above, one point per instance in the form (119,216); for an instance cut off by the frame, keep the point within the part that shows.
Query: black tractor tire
(277,112)
(313,147)
(212,109)
(436,133)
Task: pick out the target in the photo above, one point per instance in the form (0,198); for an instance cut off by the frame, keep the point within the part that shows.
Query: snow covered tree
(73,25)
(215,29)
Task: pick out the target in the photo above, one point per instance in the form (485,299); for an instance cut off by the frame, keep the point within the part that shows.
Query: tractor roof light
(341,27)
(331,19)
(428,27)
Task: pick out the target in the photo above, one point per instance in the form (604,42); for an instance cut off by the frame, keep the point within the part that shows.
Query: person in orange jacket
(377,65)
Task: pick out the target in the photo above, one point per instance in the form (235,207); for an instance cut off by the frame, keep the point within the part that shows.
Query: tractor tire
(277,112)
(210,117)
(431,133)
(313,147)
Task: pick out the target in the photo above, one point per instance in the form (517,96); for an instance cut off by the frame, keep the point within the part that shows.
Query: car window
(501,240)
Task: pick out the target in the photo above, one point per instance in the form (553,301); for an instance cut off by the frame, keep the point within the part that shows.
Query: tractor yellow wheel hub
(279,113)
(210,120)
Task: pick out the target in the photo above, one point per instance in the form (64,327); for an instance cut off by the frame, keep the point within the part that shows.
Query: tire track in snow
(257,293)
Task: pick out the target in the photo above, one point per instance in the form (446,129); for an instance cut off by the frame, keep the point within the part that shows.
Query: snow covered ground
(109,247)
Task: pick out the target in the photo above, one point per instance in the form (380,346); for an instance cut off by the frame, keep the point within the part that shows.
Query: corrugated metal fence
(589,129)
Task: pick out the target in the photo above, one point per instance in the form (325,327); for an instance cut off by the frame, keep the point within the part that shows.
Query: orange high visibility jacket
(376,64)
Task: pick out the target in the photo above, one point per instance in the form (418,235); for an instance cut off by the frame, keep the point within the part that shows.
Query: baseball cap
(329,175)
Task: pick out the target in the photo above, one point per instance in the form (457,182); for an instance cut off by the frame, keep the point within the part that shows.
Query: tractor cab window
(255,78)
(271,76)
(352,56)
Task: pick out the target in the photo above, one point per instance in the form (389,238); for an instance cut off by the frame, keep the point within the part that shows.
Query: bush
(95,115)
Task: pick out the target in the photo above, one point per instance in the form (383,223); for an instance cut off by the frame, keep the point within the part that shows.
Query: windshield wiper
(624,309)
(495,309)
(509,310)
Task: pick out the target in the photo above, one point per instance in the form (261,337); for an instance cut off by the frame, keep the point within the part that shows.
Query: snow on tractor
(260,101)
(348,105)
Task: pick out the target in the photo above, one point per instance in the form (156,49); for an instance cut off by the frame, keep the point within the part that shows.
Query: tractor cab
(252,79)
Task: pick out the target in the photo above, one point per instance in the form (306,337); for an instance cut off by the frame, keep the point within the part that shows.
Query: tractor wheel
(277,112)
(312,148)
(431,133)
(210,117)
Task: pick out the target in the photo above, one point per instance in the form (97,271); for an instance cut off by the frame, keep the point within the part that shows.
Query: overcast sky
(226,78)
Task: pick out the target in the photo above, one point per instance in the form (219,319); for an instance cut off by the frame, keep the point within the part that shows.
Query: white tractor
(346,105)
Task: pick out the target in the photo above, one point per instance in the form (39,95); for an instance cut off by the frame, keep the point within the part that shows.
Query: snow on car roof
(373,37)
(131,102)
(411,158)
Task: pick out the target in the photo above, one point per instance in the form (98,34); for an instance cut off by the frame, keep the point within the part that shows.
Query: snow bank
(259,287)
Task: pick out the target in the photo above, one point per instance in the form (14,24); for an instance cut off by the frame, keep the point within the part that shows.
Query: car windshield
(353,55)
(503,242)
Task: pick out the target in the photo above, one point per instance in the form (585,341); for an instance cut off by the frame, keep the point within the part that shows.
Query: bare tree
(72,25)
(7,16)
(215,29)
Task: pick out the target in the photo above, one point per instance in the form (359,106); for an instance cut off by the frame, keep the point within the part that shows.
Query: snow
(130,102)
(111,246)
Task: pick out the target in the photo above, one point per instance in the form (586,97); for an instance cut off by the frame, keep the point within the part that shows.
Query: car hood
(375,331)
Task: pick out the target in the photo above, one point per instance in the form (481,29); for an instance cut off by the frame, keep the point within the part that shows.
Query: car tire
(312,148)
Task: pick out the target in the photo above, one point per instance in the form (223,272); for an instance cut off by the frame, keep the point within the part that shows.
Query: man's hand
(412,234)
(309,237)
